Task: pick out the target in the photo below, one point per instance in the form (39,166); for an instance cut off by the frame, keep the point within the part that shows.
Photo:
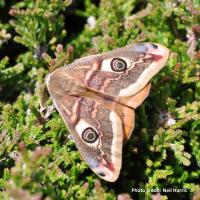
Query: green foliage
(37,160)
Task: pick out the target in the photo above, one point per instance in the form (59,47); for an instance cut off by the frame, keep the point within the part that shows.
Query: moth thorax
(71,87)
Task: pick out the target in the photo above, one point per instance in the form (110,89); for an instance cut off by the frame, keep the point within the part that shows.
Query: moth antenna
(70,138)
(43,95)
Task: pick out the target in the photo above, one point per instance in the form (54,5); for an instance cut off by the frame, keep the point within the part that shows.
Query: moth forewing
(159,57)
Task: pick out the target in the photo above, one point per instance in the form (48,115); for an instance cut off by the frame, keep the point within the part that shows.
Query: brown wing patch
(137,99)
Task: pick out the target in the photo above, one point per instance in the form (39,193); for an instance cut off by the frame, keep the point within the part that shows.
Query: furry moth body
(96,97)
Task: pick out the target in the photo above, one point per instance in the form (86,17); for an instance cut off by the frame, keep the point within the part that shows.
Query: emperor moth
(97,97)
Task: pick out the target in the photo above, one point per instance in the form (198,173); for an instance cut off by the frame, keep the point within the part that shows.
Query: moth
(97,97)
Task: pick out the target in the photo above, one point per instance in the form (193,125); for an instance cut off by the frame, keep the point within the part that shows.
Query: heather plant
(37,158)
